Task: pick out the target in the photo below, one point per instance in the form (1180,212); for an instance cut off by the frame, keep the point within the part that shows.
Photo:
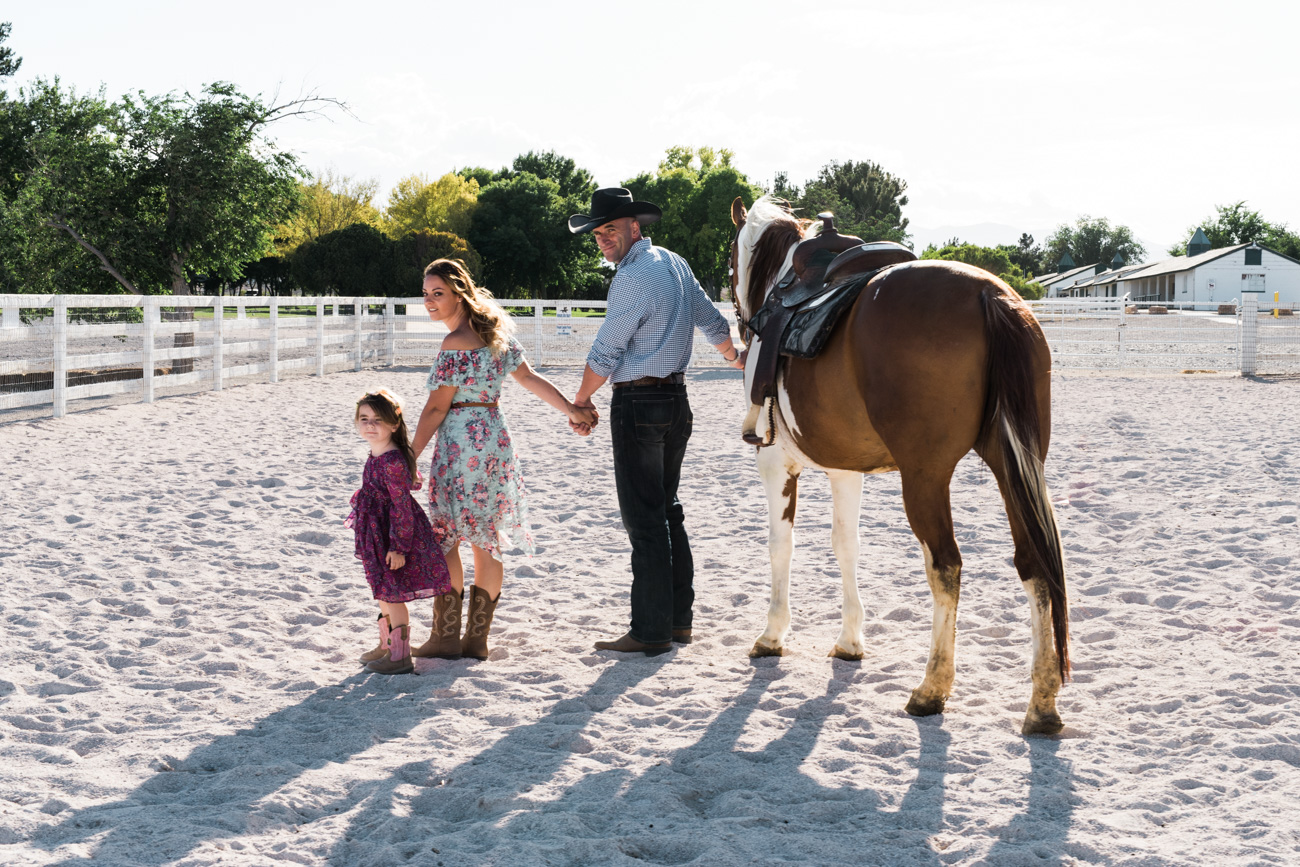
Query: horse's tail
(1012,426)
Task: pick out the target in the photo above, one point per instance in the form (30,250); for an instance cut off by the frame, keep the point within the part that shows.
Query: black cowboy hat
(612,203)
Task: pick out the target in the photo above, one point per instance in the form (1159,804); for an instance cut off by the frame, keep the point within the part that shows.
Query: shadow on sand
(713,801)
(552,792)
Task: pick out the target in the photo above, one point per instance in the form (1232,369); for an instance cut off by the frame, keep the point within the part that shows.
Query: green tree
(355,260)
(59,160)
(1236,224)
(417,205)
(695,188)
(271,275)
(158,189)
(867,200)
(9,62)
(1026,255)
(1089,241)
(413,252)
(520,229)
(482,176)
(575,184)
(329,203)
(995,260)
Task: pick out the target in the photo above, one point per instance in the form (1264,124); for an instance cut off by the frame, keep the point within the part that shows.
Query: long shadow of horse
(712,801)
(193,800)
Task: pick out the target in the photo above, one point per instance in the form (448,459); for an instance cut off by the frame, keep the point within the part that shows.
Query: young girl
(394,540)
(475,490)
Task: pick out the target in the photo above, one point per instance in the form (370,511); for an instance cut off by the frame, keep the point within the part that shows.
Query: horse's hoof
(760,650)
(846,655)
(1042,724)
(918,706)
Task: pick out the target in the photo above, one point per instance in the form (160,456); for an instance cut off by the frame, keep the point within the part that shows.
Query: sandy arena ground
(181,613)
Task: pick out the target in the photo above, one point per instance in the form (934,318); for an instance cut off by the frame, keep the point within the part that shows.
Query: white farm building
(1203,276)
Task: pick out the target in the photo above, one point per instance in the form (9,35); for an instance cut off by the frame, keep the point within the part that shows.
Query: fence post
(1123,305)
(538,341)
(218,343)
(60,356)
(147,356)
(358,310)
(12,318)
(320,337)
(390,332)
(274,318)
(1249,332)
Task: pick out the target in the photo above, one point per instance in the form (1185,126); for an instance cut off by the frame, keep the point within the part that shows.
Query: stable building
(1066,276)
(1203,276)
(1206,276)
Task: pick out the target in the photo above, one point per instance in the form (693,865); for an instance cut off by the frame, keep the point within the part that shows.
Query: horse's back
(906,372)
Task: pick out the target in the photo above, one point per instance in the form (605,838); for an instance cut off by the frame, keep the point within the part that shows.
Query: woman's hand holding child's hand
(396,561)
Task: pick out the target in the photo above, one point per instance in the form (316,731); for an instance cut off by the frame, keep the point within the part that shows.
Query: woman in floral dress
(475,489)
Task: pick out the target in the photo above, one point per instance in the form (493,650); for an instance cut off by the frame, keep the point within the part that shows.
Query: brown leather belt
(670,379)
(492,405)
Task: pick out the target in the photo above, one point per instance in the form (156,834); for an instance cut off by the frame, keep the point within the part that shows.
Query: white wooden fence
(59,348)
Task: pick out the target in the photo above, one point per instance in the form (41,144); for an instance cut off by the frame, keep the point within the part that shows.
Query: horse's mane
(778,231)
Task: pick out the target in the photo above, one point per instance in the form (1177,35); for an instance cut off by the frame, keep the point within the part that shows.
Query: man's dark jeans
(650,426)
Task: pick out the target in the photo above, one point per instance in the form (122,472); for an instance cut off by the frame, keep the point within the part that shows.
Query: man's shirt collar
(634,251)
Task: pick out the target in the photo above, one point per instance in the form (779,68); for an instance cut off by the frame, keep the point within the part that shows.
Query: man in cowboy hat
(655,303)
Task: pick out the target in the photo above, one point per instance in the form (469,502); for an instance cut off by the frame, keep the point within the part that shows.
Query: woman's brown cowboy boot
(481,609)
(382,650)
(398,660)
(444,636)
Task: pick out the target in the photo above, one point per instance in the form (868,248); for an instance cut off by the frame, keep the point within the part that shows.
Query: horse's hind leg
(846,497)
(925,498)
(781,482)
(1041,716)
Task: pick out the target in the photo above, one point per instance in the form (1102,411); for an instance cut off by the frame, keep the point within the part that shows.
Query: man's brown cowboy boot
(478,623)
(444,636)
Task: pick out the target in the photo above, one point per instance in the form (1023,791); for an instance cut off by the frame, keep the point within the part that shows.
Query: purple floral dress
(387,518)
(476,492)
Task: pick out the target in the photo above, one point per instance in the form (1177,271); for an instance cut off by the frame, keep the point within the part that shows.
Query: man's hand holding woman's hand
(583,417)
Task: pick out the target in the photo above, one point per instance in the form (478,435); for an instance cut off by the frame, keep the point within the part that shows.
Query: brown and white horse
(933,360)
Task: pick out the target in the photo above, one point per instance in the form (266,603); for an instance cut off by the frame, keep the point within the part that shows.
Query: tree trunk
(180,288)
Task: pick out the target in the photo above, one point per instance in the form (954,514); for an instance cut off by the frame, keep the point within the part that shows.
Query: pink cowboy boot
(382,650)
(399,653)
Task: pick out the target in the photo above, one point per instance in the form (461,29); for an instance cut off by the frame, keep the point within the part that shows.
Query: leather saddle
(826,276)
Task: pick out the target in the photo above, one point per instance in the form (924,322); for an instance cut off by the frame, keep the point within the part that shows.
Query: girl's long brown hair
(389,409)
(488,319)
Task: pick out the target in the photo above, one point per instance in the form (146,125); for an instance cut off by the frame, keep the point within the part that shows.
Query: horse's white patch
(787,413)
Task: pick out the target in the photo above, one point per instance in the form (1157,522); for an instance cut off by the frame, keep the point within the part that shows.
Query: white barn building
(1203,276)
(1217,276)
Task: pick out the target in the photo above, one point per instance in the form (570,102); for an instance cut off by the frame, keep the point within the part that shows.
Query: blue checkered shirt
(655,303)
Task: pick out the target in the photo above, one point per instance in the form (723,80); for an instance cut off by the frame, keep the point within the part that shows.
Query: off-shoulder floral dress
(387,518)
(476,492)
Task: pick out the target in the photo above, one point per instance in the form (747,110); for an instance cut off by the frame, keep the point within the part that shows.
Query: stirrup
(752,438)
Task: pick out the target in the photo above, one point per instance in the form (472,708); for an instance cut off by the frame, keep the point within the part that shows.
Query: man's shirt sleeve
(705,315)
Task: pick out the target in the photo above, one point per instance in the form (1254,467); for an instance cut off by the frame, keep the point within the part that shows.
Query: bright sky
(1019,114)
